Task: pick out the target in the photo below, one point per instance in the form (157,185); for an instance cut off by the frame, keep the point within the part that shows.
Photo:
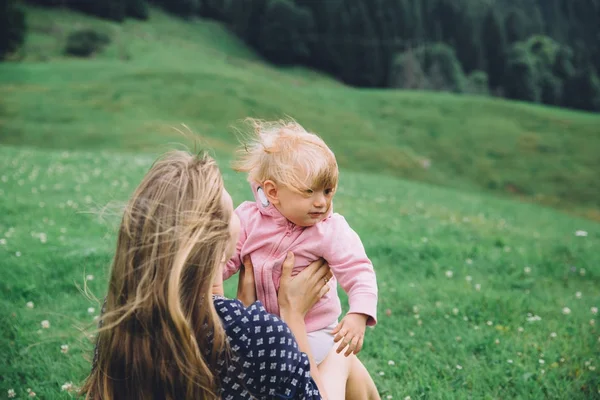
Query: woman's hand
(246,292)
(298,294)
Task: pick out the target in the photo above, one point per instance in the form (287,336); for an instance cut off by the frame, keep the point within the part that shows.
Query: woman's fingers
(324,290)
(315,266)
(288,265)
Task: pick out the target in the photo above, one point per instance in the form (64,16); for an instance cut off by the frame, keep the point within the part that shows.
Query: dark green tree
(136,9)
(515,25)
(520,81)
(12,27)
(222,10)
(284,28)
(582,90)
(494,48)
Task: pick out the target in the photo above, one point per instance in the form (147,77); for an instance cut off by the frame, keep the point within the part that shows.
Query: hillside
(157,75)
(479,296)
(463,279)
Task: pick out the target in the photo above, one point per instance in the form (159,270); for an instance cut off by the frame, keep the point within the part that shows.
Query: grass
(159,74)
(480,297)
(56,230)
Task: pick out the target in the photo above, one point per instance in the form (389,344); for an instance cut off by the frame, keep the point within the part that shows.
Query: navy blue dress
(266,362)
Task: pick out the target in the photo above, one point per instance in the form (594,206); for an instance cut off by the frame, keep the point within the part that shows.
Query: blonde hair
(161,336)
(283,151)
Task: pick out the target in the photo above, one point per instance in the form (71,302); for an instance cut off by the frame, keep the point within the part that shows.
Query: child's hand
(351,332)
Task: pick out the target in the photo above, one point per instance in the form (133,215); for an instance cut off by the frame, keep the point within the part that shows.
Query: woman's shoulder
(253,323)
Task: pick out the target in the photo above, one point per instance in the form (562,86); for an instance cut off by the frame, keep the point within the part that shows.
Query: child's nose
(319,201)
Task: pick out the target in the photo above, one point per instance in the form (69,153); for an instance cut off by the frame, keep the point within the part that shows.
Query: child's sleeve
(234,264)
(352,268)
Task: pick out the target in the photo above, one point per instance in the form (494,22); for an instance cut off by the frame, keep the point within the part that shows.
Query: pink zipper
(274,305)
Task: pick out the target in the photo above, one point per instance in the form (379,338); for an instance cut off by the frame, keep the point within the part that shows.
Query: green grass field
(480,296)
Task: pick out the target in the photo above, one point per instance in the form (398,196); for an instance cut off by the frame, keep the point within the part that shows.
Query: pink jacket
(267,236)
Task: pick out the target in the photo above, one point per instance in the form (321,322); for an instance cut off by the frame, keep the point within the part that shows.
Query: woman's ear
(270,189)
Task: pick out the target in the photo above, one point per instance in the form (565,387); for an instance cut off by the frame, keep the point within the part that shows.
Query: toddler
(294,176)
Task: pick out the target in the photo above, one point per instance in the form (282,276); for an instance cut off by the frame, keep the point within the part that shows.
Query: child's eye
(328,191)
(308,191)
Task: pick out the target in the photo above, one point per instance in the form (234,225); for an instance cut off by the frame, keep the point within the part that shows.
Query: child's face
(307,208)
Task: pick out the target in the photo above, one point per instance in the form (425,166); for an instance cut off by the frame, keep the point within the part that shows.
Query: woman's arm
(296,296)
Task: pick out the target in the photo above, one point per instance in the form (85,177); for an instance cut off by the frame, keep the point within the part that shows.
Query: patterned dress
(266,362)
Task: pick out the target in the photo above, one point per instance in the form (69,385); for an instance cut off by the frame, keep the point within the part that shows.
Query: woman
(167,331)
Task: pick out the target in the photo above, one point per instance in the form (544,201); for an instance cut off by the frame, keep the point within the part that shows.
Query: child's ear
(270,189)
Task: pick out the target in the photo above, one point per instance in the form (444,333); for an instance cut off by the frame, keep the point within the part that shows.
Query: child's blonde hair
(283,151)
(161,335)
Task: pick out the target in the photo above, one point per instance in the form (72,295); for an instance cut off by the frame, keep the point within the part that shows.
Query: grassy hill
(159,74)
(473,333)
(480,297)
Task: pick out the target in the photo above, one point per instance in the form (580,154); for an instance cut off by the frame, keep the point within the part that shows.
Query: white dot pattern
(266,362)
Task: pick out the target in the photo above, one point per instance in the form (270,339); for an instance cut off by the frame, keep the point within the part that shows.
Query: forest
(541,51)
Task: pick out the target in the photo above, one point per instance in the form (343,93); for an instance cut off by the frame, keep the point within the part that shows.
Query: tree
(283,31)
(136,9)
(407,73)
(108,9)
(515,26)
(222,10)
(582,90)
(441,65)
(183,8)
(12,27)
(520,81)
(477,83)
(494,46)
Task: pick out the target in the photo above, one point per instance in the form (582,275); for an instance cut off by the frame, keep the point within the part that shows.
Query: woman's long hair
(160,335)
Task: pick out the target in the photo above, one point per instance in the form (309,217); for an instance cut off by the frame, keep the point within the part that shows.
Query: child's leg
(347,378)
(360,385)
(335,370)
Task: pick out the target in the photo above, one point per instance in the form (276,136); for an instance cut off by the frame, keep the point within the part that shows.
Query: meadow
(481,296)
